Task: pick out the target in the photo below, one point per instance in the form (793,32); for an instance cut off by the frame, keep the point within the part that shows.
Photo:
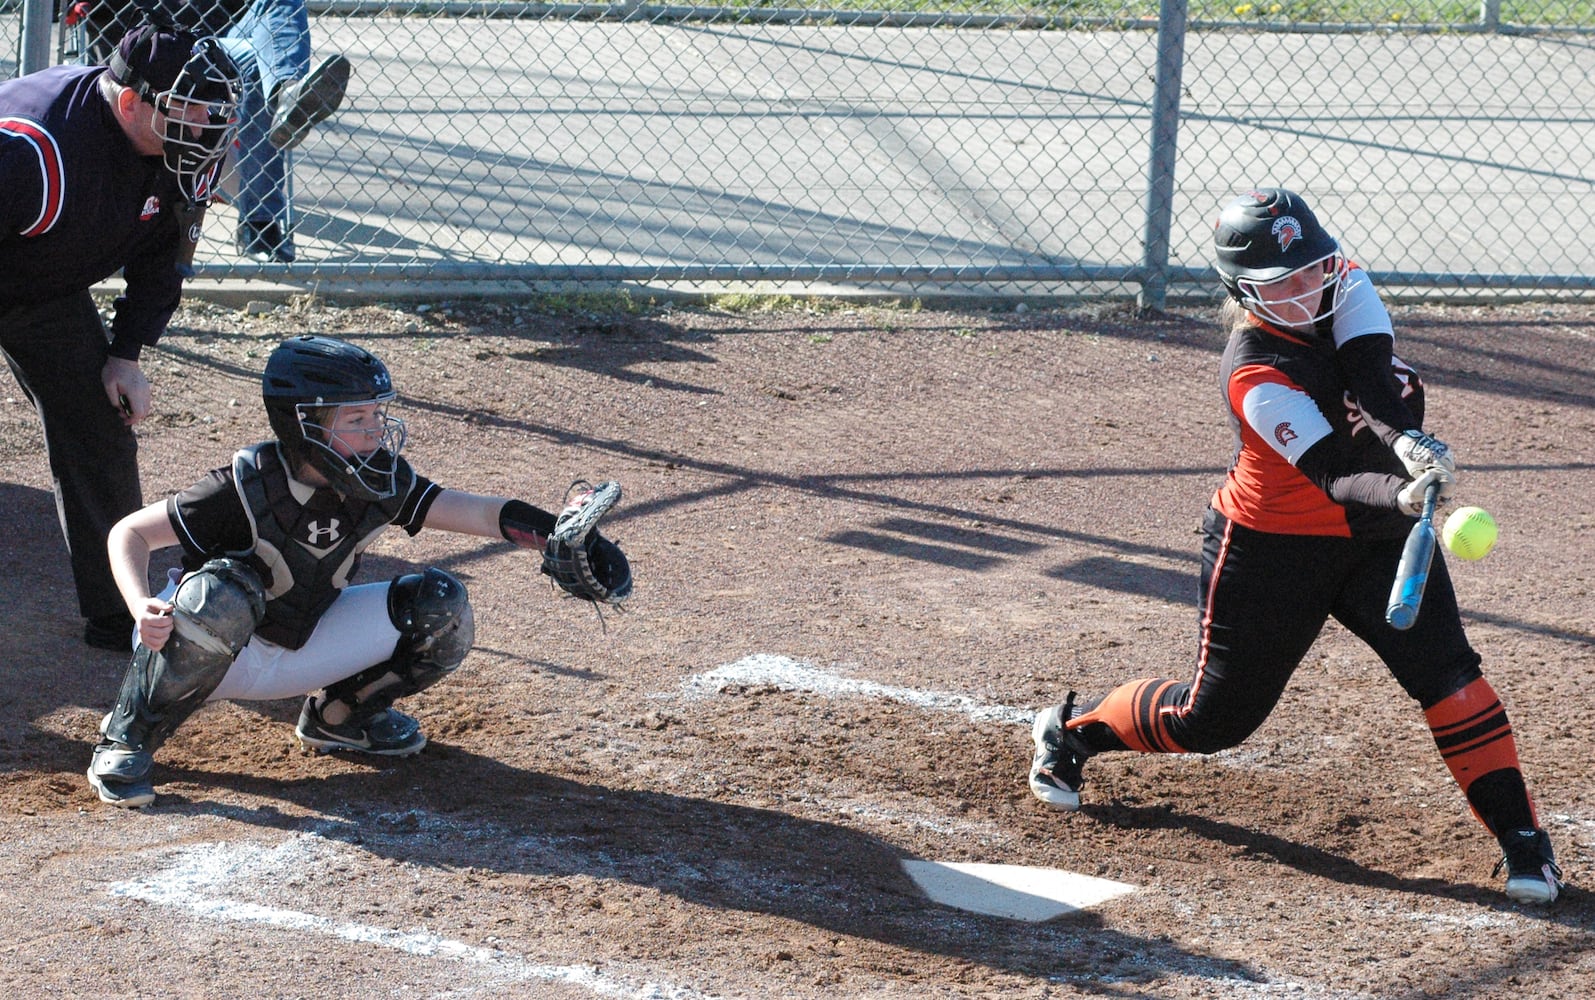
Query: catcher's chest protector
(308,551)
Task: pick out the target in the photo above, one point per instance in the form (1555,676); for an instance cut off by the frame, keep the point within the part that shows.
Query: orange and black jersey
(1310,459)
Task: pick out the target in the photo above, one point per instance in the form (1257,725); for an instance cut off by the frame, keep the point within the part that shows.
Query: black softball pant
(56,350)
(1264,598)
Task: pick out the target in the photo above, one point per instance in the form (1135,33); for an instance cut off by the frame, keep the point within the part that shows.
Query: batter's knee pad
(436,627)
(214,612)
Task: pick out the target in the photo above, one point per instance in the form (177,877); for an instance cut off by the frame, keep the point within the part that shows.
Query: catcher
(263,607)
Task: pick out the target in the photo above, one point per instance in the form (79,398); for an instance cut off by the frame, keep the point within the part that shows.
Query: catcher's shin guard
(214,612)
(433,615)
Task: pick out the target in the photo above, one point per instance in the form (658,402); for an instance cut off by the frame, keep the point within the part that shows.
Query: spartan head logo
(1284,433)
(1287,231)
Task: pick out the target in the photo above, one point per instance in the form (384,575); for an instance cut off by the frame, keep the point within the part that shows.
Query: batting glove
(1418,451)
(1409,499)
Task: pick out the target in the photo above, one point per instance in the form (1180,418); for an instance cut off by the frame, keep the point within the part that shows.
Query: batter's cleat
(388,733)
(1055,771)
(300,104)
(1532,877)
(122,775)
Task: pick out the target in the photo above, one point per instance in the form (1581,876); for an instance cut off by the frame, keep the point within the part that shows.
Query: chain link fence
(988,145)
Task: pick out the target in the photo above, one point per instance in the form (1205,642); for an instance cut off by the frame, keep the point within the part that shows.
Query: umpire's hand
(126,388)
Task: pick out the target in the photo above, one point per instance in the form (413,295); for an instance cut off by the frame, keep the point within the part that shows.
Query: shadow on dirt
(473,812)
(1508,358)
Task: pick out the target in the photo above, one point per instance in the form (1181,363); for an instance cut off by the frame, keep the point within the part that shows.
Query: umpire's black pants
(56,350)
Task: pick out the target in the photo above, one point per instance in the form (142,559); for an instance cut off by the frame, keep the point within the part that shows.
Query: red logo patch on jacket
(152,208)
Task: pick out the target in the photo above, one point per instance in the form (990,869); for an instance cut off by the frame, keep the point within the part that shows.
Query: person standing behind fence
(283,97)
(96,165)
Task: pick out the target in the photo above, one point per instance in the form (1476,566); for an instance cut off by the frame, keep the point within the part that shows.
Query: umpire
(97,163)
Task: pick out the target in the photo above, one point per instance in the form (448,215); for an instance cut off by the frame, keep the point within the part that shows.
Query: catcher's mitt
(581,561)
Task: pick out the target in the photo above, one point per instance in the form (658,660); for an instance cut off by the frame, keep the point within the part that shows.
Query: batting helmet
(193,85)
(1270,234)
(307,379)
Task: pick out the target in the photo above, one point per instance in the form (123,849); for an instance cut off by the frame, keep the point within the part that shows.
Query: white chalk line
(787,674)
(207,867)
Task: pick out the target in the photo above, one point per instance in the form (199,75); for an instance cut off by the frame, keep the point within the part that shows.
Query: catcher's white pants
(355,633)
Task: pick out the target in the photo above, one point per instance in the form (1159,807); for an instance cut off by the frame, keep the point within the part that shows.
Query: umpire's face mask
(195,119)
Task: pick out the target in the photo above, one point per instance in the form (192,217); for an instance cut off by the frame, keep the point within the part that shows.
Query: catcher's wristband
(526,526)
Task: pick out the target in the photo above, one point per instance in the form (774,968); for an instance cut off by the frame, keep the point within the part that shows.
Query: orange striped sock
(1131,710)
(1475,739)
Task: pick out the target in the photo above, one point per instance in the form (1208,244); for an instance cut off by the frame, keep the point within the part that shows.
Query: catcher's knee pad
(218,606)
(214,612)
(433,615)
(436,629)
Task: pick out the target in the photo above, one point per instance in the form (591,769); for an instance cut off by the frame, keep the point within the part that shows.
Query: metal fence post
(1490,15)
(1160,167)
(35,54)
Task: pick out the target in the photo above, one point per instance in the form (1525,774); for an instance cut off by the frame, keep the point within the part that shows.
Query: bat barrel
(1401,616)
(1412,573)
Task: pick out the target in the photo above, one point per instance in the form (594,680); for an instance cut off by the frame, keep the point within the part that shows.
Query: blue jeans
(270,44)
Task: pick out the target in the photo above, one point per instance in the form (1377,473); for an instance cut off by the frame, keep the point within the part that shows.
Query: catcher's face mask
(355,445)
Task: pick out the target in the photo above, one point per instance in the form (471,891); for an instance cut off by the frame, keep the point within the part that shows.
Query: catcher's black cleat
(122,775)
(389,733)
(300,104)
(1532,877)
(1055,771)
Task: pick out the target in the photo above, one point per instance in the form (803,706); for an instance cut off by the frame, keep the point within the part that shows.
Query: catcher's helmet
(1268,235)
(307,378)
(193,85)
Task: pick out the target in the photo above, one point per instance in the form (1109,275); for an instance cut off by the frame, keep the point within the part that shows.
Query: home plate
(1014,891)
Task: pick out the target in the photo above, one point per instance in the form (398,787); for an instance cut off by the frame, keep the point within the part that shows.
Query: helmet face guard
(1276,260)
(195,118)
(1297,298)
(371,472)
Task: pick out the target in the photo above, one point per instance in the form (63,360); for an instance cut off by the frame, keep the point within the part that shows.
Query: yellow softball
(1469,533)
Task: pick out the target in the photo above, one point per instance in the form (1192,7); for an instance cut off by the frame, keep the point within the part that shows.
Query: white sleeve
(1286,418)
(1360,312)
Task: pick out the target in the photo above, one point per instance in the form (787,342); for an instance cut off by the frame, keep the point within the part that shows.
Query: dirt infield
(868,543)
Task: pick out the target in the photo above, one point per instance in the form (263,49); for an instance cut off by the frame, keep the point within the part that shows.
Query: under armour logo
(315,530)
